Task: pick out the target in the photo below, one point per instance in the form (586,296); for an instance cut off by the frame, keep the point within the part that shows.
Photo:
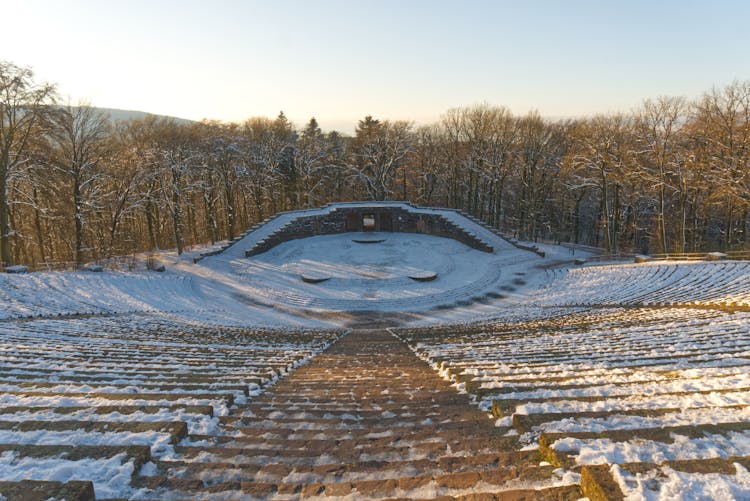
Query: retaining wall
(352,219)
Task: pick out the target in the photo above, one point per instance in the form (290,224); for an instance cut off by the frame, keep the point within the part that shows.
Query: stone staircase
(365,419)
(519,245)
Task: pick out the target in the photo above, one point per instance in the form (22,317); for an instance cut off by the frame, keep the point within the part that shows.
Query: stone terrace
(364,419)
(633,399)
(104,398)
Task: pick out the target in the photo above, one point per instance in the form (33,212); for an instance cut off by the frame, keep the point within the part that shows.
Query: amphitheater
(378,351)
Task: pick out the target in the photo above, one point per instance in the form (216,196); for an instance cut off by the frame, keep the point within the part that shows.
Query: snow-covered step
(646,444)
(695,479)
(6,412)
(129,387)
(699,284)
(627,419)
(70,398)
(608,386)
(158,435)
(111,469)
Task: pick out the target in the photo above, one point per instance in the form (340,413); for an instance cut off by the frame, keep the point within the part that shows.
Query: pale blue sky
(408,59)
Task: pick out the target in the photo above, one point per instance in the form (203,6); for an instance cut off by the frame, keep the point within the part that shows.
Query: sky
(394,59)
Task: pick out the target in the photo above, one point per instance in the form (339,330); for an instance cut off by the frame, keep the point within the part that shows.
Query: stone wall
(384,218)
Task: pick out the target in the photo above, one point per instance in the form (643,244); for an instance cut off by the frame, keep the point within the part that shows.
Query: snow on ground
(376,276)
(267,289)
(53,293)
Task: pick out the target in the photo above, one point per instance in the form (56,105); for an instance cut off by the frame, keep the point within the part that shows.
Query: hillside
(118,115)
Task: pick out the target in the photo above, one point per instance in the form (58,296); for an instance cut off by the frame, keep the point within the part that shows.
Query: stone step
(663,434)
(525,381)
(427,446)
(143,387)
(560,493)
(177,430)
(86,368)
(247,377)
(38,490)
(467,426)
(358,419)
(425,440)
(525,423)
(139,453)
(109,409)
(597,481)
(226,398)
(641,358)
(334,480)
(338,407)
(234,358)
(284,396)
(507,407)
(474,384)
(349,448)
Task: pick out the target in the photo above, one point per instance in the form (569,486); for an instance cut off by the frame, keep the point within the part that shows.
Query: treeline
(672,176)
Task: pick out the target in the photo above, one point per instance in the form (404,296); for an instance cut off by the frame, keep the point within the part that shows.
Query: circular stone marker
(368,240)
(314,279)
(424,276)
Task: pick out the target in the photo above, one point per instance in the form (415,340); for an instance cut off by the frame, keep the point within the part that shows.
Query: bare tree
(601,156)
(78,147)
(429,165)
(380,149)
(22,106)
(311,162)
(176,147)
(540,148)
(658,127)
(723,128)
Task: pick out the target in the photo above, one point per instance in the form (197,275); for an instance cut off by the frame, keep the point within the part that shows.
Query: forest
(670,176)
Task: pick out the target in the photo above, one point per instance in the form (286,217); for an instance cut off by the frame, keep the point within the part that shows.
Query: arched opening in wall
(368,222)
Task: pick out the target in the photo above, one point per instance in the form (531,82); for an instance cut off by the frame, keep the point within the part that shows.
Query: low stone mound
(314,279)
(368,240)
(424,276)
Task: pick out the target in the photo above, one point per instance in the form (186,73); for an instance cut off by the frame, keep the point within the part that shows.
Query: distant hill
(116,115)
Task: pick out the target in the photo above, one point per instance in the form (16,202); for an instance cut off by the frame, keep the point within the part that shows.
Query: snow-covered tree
(78,140)
(379,150)
(23,106)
